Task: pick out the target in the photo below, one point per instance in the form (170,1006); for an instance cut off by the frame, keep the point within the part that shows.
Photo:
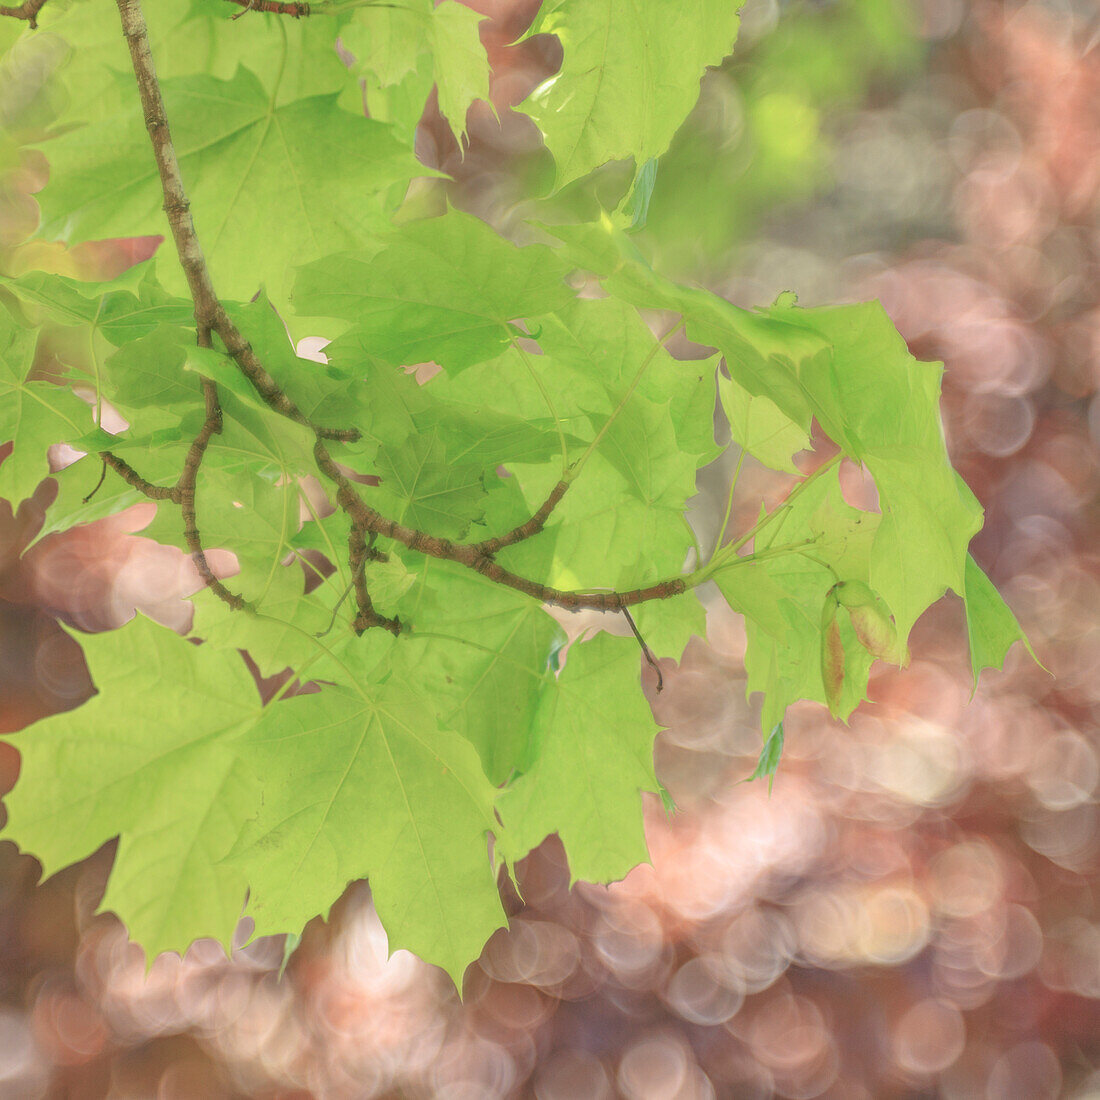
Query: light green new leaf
(368,785)
(159,465)
(641,444)
(33,414)
(989,622)
(594,735)
(629,76)
(387,39)
(765,353)
(289,629)
(388,406)
(322,393)
(323,174)
(151,756)
(668,625)
(601,535)
(441,290)
(768,762)
(293,58)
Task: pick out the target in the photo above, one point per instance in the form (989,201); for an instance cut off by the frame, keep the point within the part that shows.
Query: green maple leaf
(423,488)
(641,444)
(762,429)
(461,66)
(668,625)
(781,599)
(480,650)
(388,41)
(594,735)
(765,352)
(444,290)
(124,309)
(160,465)
(242,157)
(293,58)
(393,43)
(990,624)
(33,414)
(882,406)
(151,757)
(606,341)
(246,499)
(367,784)
(153,371)
(283,633)
(629,77)
(601,535)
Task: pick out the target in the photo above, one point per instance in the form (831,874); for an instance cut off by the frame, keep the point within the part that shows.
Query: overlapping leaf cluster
(466,724)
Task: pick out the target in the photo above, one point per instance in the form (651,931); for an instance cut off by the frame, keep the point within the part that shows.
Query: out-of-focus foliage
(761,138)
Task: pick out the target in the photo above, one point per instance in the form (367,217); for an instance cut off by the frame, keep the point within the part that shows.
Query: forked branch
(185,489)
(210,316)
(28,11)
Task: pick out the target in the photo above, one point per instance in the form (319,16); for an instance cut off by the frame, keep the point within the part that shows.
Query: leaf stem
(729,504)
(723,555)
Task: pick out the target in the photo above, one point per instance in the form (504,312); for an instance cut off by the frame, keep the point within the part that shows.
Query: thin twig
(339,603)
(28,11)
(295,11)
(527,529)
(186,489)
(136,481)
(102,478)
(367,617)
(646,651)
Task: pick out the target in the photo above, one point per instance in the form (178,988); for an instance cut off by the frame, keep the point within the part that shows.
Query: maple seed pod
(873,626)
(832,654)
(875,631)
(855,594)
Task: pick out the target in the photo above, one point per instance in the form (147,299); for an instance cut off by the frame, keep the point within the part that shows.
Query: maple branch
(185,487)
(102,478)
(210,316)
(135,480)
(525,530)
(28,10)
(295,11)
(471,556)
(358,554)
